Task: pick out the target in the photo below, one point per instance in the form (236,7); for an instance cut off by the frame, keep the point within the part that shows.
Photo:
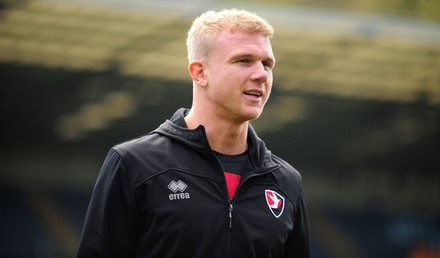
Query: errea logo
(176,187)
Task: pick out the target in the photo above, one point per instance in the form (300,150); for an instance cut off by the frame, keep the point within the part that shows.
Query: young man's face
(239,75)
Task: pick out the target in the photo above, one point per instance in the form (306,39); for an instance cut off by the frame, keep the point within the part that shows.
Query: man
(203,184)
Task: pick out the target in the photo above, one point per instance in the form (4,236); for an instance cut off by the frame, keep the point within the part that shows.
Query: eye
(267,64)
(244,60)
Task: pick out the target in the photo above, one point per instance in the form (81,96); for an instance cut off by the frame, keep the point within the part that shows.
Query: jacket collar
(176,128)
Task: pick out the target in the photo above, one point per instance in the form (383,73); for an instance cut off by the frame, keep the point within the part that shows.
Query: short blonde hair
(209,25)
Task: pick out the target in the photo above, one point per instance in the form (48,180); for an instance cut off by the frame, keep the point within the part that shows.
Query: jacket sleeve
(110,223)
(298,245)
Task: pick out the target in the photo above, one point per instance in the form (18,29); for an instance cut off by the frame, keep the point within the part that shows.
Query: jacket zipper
(231,209)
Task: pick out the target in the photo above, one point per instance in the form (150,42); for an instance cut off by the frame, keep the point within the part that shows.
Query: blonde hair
(209,25)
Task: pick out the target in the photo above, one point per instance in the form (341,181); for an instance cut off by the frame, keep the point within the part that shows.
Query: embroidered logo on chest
(275,202)
(178,189)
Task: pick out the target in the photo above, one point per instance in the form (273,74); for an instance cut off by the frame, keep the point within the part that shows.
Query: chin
(248,113)
(252,115)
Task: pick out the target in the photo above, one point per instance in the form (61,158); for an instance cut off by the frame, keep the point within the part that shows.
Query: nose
(260,73)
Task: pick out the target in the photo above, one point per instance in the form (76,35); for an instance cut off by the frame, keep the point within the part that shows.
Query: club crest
(275,202)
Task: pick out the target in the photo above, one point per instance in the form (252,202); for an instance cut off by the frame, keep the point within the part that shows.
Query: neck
(224,136)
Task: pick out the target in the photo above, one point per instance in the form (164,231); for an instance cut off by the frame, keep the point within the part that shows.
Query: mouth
(256,94)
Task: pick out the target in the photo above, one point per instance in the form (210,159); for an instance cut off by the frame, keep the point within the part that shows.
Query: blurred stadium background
(355,107)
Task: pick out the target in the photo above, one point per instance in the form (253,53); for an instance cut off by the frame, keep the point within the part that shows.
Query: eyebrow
(270,59)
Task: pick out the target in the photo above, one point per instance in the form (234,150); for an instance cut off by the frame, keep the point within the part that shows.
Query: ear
(197,72)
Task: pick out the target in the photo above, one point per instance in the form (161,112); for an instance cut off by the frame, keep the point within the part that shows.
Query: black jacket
(165,195)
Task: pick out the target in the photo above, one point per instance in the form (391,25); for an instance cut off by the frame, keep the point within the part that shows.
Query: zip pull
(231,209)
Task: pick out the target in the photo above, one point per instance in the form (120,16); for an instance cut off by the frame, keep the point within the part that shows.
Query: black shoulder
(288,170)
(288,179)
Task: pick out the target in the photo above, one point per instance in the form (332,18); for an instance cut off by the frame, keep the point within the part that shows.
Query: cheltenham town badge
(275,202)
